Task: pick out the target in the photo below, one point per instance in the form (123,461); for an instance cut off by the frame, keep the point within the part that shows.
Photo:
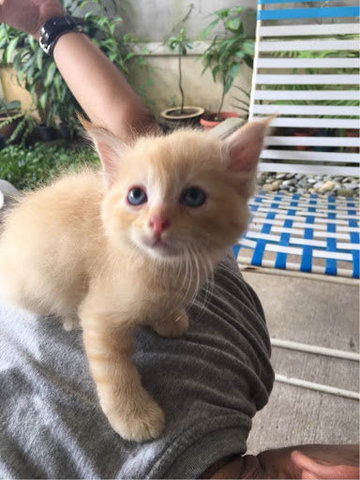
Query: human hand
(29,15)
(312,462)
(301,462)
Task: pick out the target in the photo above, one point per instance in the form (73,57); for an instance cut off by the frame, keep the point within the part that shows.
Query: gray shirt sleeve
(210,382)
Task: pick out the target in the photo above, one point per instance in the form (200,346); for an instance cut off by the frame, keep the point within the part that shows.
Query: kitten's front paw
(142,423)
(173,327)
(71,322)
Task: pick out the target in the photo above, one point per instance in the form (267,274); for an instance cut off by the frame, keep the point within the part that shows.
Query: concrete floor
(318,313)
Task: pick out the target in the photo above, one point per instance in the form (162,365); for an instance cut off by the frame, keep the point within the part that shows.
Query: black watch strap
(54,28)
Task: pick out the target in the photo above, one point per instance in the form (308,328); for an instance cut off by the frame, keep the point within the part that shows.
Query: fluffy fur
(78,249)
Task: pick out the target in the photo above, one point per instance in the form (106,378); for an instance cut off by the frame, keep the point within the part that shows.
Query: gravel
(307,184)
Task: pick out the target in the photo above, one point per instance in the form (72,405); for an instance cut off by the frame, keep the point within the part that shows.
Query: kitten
(133,250)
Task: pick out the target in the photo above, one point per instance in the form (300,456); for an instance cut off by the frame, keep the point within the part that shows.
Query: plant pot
(47,133)
(190,117)
(214,119)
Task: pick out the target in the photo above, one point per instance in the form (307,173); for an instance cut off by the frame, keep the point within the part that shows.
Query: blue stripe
(261,243)
(236,250)
(264,2)
(354,238)
(281,257)
(330,267)
(306,259)
(308,13)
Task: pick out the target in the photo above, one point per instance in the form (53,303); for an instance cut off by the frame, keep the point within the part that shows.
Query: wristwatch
(52,30)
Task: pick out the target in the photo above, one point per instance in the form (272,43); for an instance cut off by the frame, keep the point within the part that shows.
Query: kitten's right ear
(109,148)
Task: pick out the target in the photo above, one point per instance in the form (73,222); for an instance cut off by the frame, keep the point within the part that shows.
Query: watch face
(53,29)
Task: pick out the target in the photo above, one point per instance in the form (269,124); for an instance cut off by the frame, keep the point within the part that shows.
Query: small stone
(326,187)
(292,189)
(299,176)
(267,187)
(280,176)
(301,191)
(276,185)
(347,179)
(346,193)
(350,186)
(303,183)
(290,175)
(318,185)
(288,183)
(311,180)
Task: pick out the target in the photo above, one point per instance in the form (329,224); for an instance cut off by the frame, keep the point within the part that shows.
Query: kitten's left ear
(241,150)
(108,146)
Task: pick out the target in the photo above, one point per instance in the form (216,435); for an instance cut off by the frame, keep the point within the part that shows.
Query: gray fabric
(210,382)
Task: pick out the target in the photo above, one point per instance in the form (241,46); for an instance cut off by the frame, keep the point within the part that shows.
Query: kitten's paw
(142,423)
(173,327)
(71,323)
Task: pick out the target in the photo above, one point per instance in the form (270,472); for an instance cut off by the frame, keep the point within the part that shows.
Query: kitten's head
(177,193)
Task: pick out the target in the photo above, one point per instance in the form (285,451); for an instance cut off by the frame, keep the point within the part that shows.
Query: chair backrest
(306,71)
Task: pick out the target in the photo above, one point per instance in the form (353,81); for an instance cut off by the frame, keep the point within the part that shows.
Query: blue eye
(193,197)
(136,196)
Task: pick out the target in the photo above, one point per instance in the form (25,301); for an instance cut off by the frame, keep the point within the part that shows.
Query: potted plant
(37,72)
(225,55)
(182,115)
(15,126)
(10,115)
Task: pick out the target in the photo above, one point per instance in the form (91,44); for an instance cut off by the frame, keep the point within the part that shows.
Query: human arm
(99,87)
(298,462)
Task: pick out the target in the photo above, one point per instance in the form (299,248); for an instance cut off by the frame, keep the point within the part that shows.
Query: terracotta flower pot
(190,116)
(212,120)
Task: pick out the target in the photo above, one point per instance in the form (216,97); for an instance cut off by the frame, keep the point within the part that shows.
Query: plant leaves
(10,50)
(50,74)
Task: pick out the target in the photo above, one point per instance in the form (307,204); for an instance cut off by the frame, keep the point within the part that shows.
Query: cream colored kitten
(130,251)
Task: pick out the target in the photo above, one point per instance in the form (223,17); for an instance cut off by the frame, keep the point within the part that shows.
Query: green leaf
(234,70)
(233,24)
(10,50)
(209,28)
(39,58)
(43,100)
(50,74)
(129,56)
(222,13)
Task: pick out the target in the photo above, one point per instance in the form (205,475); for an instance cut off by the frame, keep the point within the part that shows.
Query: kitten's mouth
(158,246)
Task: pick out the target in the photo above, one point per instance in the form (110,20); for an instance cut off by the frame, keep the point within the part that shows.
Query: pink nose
(159,224)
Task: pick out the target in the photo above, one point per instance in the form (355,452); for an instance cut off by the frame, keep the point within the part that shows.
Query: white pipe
(317,386)
(303,347)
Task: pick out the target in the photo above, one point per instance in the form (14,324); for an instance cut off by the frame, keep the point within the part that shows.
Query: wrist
(45,18)
(55,28)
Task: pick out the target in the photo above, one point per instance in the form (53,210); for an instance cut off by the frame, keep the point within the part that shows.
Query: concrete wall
(156,21)
(161,72)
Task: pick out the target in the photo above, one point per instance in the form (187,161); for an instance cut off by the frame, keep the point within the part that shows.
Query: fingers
(339,467)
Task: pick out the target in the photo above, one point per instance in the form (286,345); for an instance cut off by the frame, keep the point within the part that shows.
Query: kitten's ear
(109,147)
(241,150)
